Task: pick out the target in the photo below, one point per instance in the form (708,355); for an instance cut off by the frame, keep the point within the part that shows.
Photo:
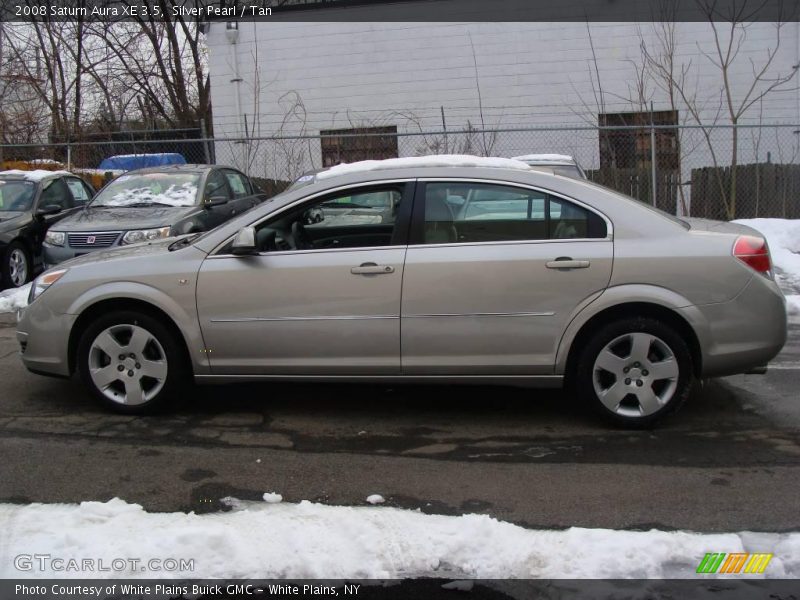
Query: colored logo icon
(741,562)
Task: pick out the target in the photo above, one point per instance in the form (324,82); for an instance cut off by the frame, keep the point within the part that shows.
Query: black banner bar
(405,589)
(401,10)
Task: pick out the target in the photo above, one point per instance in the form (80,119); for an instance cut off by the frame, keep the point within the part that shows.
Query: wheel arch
(636,308)
(93,311)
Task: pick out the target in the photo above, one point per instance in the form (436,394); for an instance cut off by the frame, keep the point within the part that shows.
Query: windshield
(149,189)
(16,195)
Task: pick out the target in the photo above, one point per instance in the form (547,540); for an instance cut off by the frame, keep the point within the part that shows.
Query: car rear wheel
(635,371)
(16,266)
(131,362)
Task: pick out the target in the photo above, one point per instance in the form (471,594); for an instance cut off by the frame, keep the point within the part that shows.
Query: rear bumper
(744,334)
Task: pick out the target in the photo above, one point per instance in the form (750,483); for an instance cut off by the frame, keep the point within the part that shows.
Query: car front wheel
(131,362)
(635,371)
(16,268)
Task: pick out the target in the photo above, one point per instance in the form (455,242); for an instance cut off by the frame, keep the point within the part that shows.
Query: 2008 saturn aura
(418,270)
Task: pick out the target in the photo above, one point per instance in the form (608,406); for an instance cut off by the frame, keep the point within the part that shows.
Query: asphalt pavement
(728,461)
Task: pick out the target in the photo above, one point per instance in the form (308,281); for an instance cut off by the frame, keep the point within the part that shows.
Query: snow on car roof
(35,175)
(437,160)
(546,158)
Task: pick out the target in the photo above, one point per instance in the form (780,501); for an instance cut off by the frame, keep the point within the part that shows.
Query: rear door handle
(372,269)
(566,262)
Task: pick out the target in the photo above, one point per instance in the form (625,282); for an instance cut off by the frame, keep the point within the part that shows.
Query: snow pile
(375,499)
(14,298)
(272,497)
(437,160)
(306,540)
(35,175)
(783,237)
(183,195)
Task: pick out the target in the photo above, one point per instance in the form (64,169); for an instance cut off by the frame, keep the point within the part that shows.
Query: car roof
(546,159)
(396,165)
(34,176)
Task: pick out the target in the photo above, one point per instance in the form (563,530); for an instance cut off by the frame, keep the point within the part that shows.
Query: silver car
(560,164)
(490,273)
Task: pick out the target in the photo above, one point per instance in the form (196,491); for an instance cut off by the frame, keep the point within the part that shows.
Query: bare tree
(729,33)
(163,59)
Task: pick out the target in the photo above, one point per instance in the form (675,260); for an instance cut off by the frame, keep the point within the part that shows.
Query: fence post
(204,135)
(653,188)
(69,156)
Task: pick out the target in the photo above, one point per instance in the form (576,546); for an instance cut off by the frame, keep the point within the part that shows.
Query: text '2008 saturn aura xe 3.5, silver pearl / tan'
(447,268)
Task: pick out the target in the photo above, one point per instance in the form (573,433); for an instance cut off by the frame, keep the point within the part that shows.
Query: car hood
(120,252)
(8,217)
(122,218)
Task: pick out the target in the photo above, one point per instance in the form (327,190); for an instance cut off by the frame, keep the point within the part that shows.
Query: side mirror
(245,242)
(216,201)
(47,210)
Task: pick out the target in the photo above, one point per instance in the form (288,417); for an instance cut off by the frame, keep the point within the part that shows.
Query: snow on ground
(307,540)
(14,298)
(438,160)
(783,237)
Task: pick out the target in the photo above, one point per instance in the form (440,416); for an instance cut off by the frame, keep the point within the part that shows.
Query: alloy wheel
(18,267)
(635,375)
(127,364)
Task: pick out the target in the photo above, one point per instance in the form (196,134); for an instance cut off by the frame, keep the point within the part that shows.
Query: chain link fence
(714,172)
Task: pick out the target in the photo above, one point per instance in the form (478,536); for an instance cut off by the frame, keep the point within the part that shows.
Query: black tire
(588,377)
(166,348)
(15,249)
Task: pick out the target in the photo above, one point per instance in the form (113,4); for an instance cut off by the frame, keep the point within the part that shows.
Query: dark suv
(148,204)
(30,202)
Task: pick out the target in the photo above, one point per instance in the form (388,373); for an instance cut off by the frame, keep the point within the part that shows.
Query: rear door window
(239,184)
(459,213)
(80,193)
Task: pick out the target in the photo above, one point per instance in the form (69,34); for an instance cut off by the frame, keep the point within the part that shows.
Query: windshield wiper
(184,241)
(143,204)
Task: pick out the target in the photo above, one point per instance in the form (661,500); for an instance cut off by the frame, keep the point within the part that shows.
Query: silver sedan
(466,271)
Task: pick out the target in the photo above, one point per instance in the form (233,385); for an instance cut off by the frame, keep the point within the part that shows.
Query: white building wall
(304,77)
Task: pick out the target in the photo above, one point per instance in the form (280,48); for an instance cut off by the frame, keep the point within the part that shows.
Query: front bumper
(54,255)
(43,337)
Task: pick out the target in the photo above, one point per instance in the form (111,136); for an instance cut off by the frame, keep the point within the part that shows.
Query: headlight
(44,281)
(145,235)
(54,238)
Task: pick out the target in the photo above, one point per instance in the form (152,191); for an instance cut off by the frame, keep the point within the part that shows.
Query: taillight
(753,252)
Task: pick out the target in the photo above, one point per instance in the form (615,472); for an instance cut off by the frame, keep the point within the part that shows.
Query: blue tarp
(127,162)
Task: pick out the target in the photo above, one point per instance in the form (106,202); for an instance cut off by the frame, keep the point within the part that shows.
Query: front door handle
(372,269)
(566,262)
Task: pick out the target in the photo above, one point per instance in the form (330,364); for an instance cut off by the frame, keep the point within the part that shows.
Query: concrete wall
(303,77)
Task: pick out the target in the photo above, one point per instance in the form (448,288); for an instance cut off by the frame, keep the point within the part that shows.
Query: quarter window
(470,213)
